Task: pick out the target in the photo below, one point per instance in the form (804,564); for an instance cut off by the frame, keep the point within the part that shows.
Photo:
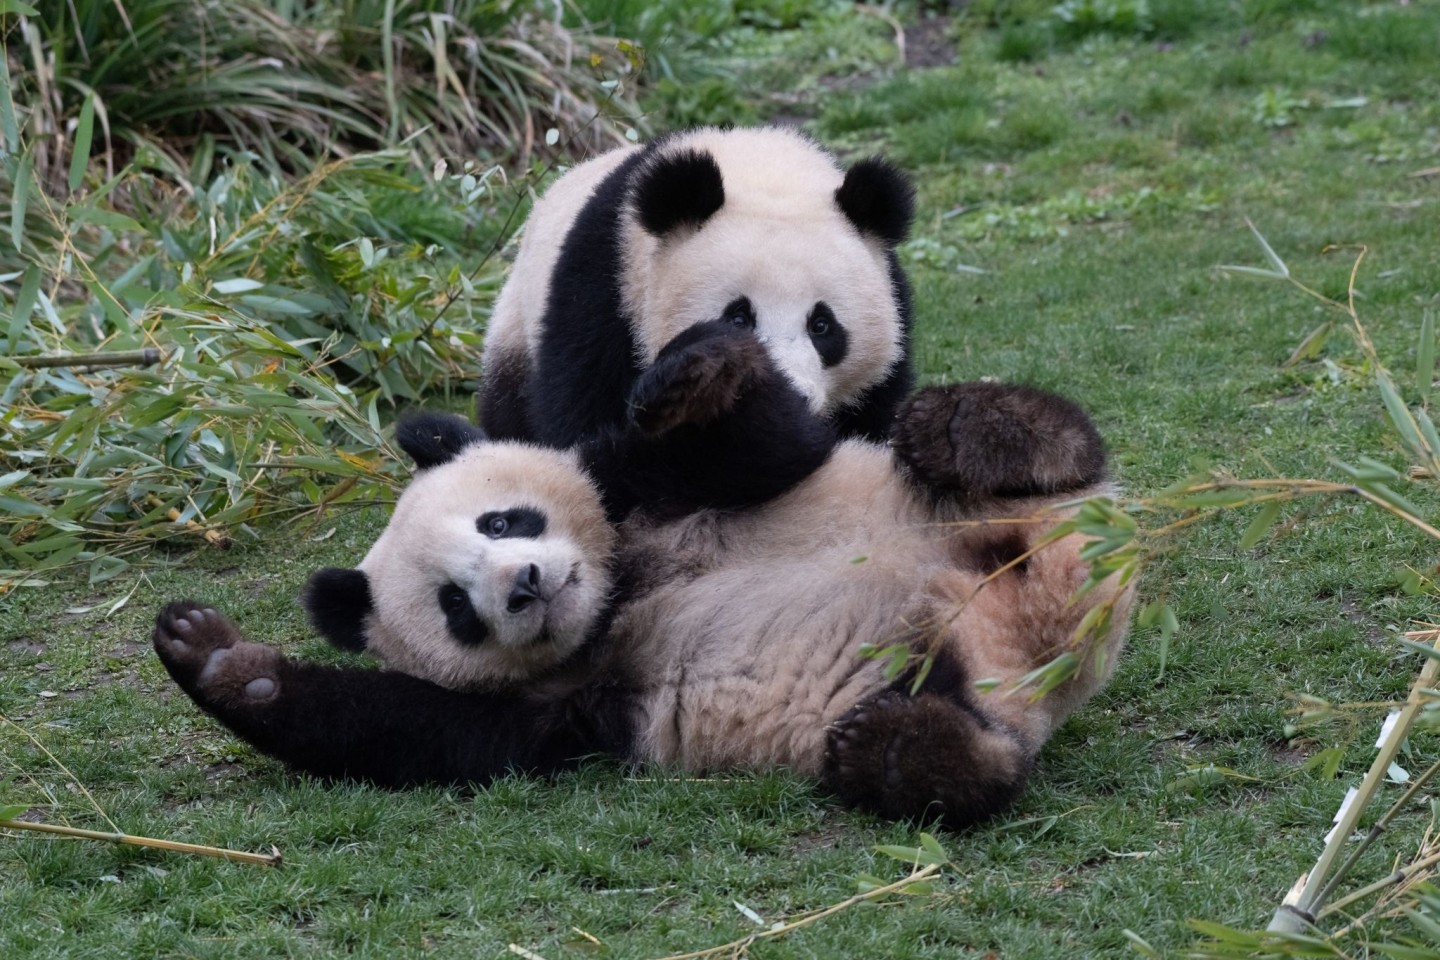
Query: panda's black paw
(998,439)
(923,758)
(211,661)
(697,378)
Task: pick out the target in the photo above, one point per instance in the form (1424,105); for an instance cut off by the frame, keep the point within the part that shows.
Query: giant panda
(759,227)
(713,638)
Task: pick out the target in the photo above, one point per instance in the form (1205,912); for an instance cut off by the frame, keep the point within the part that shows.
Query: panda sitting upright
(756,226)
(701,639)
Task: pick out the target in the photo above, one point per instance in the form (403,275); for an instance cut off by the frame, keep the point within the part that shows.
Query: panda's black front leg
(712,423)
(984,440)
(386,728)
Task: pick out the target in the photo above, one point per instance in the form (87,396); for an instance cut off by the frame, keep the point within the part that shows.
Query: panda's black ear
(878,199)
(338,601)
(435,438)
(677,189)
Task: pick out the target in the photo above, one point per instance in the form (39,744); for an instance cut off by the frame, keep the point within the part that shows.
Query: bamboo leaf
(932,847)
(9,129)
(1400,417)
(12,811)
(24,306)
(80,152)
(22,197)
(1425,357)
(1140,944)
(1251,271)
(1311,346)
(1270,253)
(1047,677)
(1261,525)
(918,856)
(1422,648)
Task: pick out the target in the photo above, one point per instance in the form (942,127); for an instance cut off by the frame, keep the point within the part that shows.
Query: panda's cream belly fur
(761,648)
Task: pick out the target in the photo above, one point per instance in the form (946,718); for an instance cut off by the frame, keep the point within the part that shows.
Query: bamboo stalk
(1375,833)
(271,859)
(1297,916)
(1392,879)
(130,358)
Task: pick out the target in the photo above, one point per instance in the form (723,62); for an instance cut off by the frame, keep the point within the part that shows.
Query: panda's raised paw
(211,661)
(697,378)
(998,439)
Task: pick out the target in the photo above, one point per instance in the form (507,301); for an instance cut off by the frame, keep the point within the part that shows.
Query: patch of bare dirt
(927,43)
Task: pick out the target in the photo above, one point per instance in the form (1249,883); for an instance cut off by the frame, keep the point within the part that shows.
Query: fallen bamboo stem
(734,947)
(128,358)
(271,859)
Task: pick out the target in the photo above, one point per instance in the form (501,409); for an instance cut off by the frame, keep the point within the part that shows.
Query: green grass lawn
(1098,180)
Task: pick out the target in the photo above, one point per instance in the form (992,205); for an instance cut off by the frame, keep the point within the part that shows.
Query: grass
(291,80)
(1099,192)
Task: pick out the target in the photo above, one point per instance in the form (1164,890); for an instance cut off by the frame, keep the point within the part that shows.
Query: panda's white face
(780,255)
(818,296)
(494,566)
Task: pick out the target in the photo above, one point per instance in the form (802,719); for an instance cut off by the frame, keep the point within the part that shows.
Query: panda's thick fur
(731,637)
(758,226)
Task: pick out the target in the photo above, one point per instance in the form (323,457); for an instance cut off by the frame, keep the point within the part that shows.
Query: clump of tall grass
(294,81)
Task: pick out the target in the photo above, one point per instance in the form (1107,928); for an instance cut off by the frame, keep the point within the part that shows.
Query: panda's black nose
(525,590)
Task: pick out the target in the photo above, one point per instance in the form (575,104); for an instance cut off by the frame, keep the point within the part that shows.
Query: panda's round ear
(435,438)
(678,189)
(878,199)
(338,601)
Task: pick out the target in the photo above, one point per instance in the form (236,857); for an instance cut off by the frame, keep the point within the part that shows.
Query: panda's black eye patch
(453,599)
(460,617)
(739,313)
(519,522)
(827,335)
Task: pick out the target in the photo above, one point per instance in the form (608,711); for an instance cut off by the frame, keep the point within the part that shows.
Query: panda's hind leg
(924,758)
(983,440)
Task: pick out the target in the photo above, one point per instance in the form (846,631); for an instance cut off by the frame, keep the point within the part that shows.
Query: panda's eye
(519,522)
(827,334)
(739,313)
(453,599)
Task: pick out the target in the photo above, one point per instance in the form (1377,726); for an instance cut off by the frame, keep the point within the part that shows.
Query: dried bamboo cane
(131,358)
(271,859)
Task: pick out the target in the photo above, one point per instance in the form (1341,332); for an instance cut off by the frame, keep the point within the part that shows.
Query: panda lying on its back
(759,227)
(732,638)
